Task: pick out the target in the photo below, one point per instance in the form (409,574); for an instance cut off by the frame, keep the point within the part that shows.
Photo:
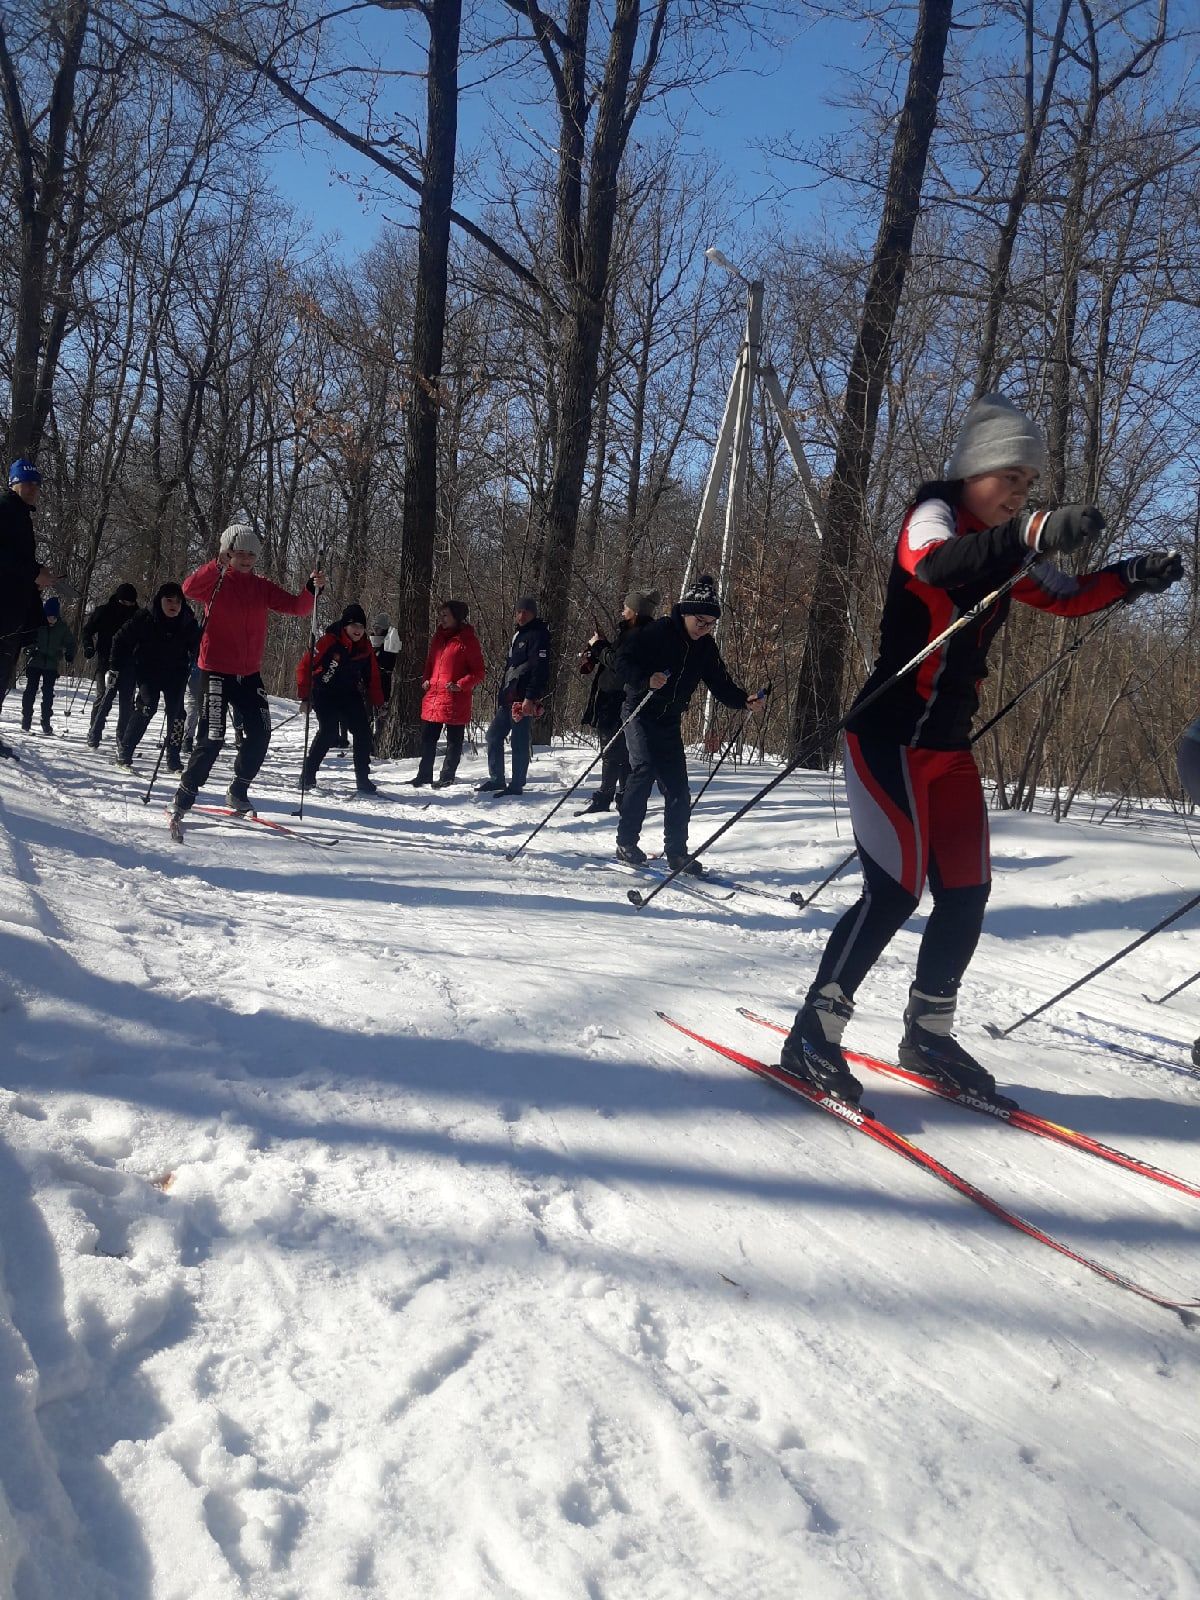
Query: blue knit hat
(23,471)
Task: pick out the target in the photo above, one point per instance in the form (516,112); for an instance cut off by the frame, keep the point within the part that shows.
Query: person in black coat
(669,660)
(21,573)
(603,710)
(100,628)
(155,650)
(526,676)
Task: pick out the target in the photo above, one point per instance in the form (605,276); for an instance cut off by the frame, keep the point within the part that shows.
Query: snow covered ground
(363,1233)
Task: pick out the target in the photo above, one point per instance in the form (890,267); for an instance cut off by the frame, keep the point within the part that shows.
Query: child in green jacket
(54,641)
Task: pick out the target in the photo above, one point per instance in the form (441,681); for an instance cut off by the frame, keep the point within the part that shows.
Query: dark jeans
(8,660)
(430,733)
(656,756)
(333,717)
(500,728)
(118,686)
(220,694)
(34,676)
(145,704)
(614,769)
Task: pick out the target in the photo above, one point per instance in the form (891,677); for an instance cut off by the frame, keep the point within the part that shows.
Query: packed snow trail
(362,1233)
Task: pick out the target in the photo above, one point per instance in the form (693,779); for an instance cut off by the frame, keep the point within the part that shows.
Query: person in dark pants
(670,657)
(526,675)
(607,695)
(21,573)
(341,677)
(239,604)
(100,628)
(453,666)
(43,663)
(157,647)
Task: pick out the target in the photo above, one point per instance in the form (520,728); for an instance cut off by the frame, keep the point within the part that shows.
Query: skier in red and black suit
(916,800)
(341,676)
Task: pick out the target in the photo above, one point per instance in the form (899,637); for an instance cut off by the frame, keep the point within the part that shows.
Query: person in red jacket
(341,676)
(453,666)
(238,602)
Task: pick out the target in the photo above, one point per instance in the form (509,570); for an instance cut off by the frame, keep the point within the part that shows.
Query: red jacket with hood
(235,633)
(454,656)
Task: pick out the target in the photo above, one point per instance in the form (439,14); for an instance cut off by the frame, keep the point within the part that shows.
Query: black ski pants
(220,694)
(348,712)
(614,768)
(8,660)
(118,686)
(33,677)
(430,734)
(145,704)
(656,755)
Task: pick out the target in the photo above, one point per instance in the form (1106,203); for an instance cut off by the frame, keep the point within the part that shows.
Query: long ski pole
(312,655)
(807,900)
(511,855)
(162,748)
(1003,1033)
(1178,989)
(729,744)
(640,900)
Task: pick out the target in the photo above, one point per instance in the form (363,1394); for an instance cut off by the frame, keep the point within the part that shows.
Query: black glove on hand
(1059,532)
(1151,574)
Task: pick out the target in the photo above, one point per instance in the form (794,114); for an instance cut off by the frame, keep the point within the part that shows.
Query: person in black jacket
(526,675)
(668,660)
(155,649)
(21,573)
(100,628)
(603,710)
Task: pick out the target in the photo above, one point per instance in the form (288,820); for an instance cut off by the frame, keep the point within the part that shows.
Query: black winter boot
(813,1049)
(685,866)
(598,802)
(929,1047)
(631,855)
(237,799)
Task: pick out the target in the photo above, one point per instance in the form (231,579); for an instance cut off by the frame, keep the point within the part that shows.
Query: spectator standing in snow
(341,677)
(453,666)
(670,657)
(239,602)
(603,711)
(54,641)
(21,573)
(157,647)
(518,700)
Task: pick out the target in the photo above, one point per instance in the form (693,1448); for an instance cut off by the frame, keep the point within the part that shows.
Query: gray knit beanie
(240,536)
(995,435)
(643,602)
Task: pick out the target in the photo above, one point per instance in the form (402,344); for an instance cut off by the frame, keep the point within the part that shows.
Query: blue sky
(776,92)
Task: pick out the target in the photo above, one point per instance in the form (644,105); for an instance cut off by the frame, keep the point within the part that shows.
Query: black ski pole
(804,900)
(640,900)
(199,641)
(729,744)
(511,855)
(1003,1033)
(74,697)
(283,721)
(312,655)
(1179,987)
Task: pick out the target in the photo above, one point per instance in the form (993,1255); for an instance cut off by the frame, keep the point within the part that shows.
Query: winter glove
(1062,531)
(1151,574)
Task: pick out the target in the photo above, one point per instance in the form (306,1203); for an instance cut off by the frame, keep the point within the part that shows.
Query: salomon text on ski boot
(813,1049)
(929,1047)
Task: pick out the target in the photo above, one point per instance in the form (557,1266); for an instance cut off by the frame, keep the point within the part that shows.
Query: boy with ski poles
(916,800)
(239,602)
(157,647)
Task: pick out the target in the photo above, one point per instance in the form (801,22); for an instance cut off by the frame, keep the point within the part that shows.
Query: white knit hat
(995,435)
(240,536)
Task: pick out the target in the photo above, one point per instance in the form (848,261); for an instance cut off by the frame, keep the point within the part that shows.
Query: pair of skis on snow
(226,816)
(864,1122)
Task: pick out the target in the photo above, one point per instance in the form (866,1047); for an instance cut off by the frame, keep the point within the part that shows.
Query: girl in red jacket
(238,602)
(341,676)
(453,666)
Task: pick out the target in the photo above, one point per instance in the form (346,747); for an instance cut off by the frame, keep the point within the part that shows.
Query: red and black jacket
(946,561)
(339,668)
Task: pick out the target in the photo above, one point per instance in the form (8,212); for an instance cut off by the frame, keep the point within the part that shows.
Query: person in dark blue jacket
(526,676)
(156,648)
(668,660)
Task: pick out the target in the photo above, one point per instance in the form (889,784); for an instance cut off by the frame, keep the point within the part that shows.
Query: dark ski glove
(1151,574)
(1062,531)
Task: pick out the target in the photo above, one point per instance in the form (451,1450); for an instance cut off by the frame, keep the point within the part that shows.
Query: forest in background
(520,389)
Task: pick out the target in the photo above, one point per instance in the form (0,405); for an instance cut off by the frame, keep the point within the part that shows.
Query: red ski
(864,1122)
(1027,1121)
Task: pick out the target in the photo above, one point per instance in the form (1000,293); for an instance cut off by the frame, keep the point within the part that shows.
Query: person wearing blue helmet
(21,573)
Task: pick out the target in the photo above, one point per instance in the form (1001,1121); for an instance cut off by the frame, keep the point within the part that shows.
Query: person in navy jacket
(518,700)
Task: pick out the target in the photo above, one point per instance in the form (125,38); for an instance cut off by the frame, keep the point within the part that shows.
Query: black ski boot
(813,1049)
(238,800)
(929,1047)
(685,866)
(598,802)
(631,855)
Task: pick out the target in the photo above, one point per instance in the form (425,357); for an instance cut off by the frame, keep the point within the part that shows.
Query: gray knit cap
(995,435)
(240,536)
(643,602)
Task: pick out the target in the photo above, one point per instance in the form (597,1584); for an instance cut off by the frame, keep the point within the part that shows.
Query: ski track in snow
(362,1232)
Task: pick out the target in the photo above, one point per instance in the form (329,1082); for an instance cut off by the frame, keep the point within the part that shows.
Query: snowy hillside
(364,1233)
